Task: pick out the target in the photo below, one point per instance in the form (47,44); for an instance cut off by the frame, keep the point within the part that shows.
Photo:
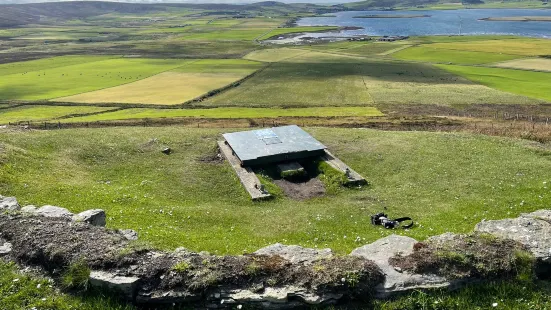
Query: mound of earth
(301,190)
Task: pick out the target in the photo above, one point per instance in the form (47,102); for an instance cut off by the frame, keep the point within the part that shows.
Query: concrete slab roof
(272,145)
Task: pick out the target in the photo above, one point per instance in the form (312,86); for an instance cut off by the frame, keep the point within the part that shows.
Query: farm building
(279,146)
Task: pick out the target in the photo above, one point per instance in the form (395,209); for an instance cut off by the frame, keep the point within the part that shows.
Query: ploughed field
(445,181)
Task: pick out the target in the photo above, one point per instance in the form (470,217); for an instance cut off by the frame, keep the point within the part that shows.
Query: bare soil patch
(301,190)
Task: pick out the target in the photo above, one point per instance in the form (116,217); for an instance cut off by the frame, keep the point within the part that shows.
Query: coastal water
(438,22)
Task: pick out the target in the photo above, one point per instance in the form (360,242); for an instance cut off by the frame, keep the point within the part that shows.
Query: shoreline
(518,19)
(298,34)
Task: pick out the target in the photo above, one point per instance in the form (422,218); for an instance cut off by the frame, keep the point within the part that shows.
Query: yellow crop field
(528,47)
(179,85)
(540,64)
(166,88)
(275,55)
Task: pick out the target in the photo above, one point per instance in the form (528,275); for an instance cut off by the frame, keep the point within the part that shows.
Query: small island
(519,19)
(392,16)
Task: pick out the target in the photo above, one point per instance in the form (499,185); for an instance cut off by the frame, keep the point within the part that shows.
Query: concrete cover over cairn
(273,145)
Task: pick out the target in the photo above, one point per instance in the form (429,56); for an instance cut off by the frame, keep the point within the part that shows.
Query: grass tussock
(76,276)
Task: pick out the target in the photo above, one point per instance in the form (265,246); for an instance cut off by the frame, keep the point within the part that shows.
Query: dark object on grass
(383,220)
(167,150)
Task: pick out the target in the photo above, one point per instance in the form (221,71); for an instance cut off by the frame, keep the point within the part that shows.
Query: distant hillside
(34,13)
(21,14)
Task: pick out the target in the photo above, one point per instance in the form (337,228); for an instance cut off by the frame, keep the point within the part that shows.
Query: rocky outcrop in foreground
(277,276)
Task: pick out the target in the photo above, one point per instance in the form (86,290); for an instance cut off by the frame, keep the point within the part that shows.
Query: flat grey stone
(94,217)
(53,211)
(532,230)
(280,296)
(166,297)
(126,285)
(294,253)
(9,203)
(397,281)
(129,234)
(5,248)
(29,209)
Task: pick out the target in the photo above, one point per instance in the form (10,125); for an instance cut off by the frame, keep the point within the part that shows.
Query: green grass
(444,181)
(251,33)
(512,46)
(221,66)
(227,113)
(195,79)
(228,35)
(47,63)
(506,295)
(427,54)
(36,113)
(20,291)
(462,38)
(526,83)
(78,78)
(323,79)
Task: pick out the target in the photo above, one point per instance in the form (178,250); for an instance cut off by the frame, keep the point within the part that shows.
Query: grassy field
(436,55)
(47,63)
(526,83)
(74,79)
(539,64)
(43,113)
(175,200)
(173,87)
(227,113)
(359,48)
(322,79)
(518,46)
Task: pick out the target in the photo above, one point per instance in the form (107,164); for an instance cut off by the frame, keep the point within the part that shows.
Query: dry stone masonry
(275,277)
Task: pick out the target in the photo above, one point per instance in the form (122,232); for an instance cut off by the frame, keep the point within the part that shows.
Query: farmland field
(524,47)
(527,83)
(227,113)
(322,79)
(73,79)
(437,55)
(47,63)
(173,87)
(539,64)
(41,113)
(275,54)
(175,201)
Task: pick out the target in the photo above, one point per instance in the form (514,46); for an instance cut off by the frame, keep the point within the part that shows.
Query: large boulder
(533,230)
(396,280)
(94,217)
(53,211)
(294,253)
(124,285)
(8,203)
